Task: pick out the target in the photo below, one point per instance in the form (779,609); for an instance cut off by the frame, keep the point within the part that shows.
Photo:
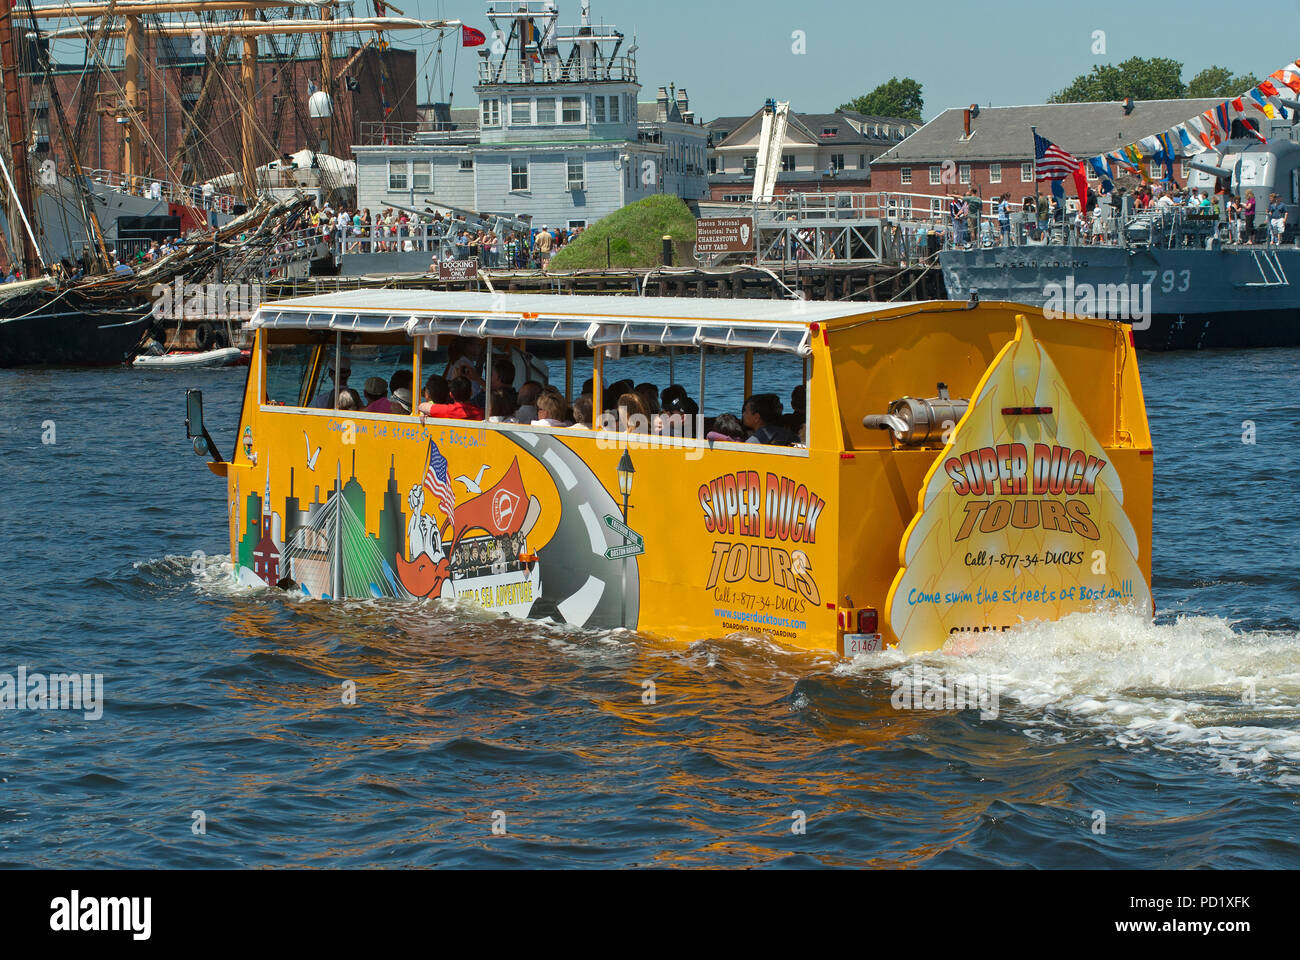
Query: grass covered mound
(635,235)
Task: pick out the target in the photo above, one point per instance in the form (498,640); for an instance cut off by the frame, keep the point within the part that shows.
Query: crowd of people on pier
(976,221)
(392,230)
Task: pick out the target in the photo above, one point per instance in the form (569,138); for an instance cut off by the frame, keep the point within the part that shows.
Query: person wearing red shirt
(459,408)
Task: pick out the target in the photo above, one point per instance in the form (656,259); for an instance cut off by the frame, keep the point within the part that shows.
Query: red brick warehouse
(171,89)
(992,150)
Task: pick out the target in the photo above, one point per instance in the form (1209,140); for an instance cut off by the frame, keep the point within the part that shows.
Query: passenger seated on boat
(326,400)
(795,418)
(633,417)
(526,411)
(375,390)
(613,392)
(399,391)
(459,408)
(435,392)
(761,417)
(582,411)
(677,416)
(383,403)
(463,354)
(674,399)
(503,375)
(726,429)
(504,403)
(348,399)
(649,393)
(552,410)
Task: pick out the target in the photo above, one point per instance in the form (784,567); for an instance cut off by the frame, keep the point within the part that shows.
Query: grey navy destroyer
(1195,285)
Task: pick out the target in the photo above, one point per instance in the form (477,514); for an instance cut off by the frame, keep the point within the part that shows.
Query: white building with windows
(558,135)
(822,152)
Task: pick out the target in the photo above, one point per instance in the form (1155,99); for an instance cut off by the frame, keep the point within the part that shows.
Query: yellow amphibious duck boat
(964,467)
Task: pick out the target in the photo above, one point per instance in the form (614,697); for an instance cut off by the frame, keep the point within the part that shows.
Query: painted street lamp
(625,474)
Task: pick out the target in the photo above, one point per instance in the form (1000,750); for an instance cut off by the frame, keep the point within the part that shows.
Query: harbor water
(225,738)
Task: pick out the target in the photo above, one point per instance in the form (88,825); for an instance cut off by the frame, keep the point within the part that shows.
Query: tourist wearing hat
(326,400)
(399,392)
(376,390)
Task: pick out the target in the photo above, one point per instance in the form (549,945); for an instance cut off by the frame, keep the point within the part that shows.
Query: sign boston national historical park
(724,235)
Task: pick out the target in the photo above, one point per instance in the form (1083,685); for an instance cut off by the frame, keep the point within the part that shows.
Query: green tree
(893,98)
(1157,78)
(1219,82)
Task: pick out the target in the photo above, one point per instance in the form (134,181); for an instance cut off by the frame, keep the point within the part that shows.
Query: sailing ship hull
(1178,299)
(59,334)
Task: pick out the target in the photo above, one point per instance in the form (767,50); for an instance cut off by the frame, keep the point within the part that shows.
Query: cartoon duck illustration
(428,572)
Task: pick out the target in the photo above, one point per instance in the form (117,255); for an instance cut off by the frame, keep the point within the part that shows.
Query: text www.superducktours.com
(33,690)
(742,620)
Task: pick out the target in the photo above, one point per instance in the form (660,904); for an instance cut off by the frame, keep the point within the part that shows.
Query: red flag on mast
(469,37)
(1081,187)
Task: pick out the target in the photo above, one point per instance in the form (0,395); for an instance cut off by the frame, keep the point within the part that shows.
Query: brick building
(171,83)
(993,150)
(822,153)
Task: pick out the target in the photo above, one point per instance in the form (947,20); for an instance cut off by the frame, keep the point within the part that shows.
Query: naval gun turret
(1250,166)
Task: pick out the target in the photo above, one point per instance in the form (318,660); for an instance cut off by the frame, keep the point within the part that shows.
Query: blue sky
(731,55)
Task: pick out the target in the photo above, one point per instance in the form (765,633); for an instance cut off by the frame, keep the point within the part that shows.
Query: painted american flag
(436,482)
(1052,162)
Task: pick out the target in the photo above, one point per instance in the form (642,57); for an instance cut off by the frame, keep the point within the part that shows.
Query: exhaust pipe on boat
(915,422)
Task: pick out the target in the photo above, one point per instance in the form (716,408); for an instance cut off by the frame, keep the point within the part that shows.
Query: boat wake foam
(1193,686)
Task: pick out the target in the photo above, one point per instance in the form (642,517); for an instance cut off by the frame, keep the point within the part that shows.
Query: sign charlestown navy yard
(724,235)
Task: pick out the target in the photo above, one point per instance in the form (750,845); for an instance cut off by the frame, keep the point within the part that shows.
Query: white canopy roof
(781,325)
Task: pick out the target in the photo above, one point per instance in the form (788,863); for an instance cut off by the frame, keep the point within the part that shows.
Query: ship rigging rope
(84,198)
(204,144)
(117,88)
(415,78)
(147,136)
(43,306)
(237,97)
(96,55)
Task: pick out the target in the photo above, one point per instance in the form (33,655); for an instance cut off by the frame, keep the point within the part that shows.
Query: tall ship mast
(181,108)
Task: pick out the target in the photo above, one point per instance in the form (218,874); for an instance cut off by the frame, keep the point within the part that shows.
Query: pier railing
(387,133)
(163,190)
(555,70)
(447,239)
(1174,226)
(847,227)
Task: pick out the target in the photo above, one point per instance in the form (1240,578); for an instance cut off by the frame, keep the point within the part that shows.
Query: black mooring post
(668,251)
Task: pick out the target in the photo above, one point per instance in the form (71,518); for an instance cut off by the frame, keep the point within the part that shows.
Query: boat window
(382,377)
(301,368)
(505,387)
(761,391)
(666,382)
(292,372)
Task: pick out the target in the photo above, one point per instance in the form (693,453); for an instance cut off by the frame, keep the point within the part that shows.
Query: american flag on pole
(1052,162)
(435,480)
